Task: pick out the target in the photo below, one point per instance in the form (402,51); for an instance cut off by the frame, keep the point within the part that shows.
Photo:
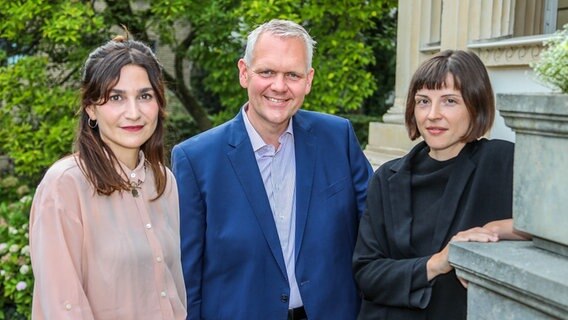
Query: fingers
(463,282)
(438,264)
(476,234)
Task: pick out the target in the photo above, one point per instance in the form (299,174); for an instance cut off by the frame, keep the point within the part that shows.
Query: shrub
(36,117)
(16,278)
(360,124)
(552,66)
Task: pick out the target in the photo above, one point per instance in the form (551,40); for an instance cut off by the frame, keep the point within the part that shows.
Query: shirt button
(284,298)
(67,306)
(148,226)
(163,293)
(133,175)
(159,259)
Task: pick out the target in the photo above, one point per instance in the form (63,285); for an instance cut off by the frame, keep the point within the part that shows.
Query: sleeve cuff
(421,288)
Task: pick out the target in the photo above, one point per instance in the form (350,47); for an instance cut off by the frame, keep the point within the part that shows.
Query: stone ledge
(516,270)
(519,51)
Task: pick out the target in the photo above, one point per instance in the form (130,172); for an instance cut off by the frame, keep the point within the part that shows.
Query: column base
(387,141)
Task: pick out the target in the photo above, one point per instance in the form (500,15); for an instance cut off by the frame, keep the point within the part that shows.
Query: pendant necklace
(134,186)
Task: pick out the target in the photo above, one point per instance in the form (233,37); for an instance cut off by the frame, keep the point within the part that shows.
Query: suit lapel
(306,150)
(244,164)
(401,204)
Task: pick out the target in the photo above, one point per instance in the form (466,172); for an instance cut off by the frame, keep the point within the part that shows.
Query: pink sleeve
(56,246)
(177,269)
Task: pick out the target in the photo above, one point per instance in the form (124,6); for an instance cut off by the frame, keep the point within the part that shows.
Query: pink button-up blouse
(105,257)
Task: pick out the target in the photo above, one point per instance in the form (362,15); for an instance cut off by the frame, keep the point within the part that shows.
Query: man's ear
(243,73)
(310,79)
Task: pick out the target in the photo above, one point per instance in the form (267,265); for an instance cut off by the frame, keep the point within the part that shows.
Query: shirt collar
(139,173)
(255,138)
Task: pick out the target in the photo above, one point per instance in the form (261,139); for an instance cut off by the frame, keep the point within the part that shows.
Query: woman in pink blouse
(104,226)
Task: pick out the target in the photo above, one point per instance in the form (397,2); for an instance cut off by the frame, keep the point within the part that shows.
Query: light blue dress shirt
(278,170)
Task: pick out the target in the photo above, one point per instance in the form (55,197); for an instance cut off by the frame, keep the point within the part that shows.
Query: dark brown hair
(470,78)
(101,73)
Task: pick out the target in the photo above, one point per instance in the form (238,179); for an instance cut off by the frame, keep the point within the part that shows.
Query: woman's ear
(91,112)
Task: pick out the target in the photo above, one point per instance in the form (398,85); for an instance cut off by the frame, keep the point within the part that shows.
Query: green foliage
(342,80)
(46,43)
(216,47)
(178,125)
(552,66)
(382,38)
(16,278)
(360,124)
(63,30)
(36,116)
(42,46)
(12,188)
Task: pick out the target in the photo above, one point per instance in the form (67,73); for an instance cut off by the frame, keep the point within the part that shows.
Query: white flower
(12,230)
(26,199)
(14,248)
(24,269)
(3,247)
(25,250)
(21,286)
(2,273)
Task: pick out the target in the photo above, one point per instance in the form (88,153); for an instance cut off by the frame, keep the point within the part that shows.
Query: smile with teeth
(275,100)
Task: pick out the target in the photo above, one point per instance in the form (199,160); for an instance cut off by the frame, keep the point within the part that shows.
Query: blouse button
(133,175)
(148,226)
(163,293)
(67,306)
(159,259)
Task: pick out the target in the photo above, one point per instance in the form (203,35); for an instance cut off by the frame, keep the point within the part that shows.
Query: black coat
(391,278)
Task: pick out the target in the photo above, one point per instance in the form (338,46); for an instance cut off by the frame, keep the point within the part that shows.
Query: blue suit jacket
(232,259)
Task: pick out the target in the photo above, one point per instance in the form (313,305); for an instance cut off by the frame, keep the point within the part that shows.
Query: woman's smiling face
(130,116)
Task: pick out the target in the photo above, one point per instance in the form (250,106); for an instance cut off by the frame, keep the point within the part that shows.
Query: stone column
(389,139)
(526,279)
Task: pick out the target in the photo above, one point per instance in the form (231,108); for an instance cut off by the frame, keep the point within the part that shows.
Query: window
(540,16)
(562,14)
(501,19)
(431,30)
(511,32)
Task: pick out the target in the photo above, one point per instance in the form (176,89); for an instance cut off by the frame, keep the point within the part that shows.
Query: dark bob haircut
(470,78)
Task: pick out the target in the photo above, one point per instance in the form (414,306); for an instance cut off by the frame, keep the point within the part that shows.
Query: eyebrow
(261,69)
(143,90)
(445,95)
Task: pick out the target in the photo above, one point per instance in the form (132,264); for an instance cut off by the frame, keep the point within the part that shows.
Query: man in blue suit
(271,200)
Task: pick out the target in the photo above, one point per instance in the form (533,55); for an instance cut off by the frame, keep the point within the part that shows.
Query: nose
(132,111)
(434,112)
(279,83)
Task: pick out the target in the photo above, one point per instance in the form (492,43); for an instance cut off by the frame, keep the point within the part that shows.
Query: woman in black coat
(453,186)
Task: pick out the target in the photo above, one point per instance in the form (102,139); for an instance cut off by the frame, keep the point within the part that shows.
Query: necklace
(134,186)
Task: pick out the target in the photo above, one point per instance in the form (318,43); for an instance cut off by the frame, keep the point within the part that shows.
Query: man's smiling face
(277,81)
